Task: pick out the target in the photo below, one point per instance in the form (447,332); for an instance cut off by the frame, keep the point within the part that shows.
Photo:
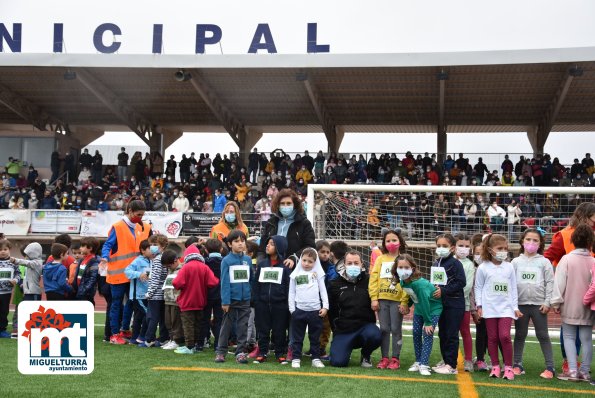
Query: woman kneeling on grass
(426,312)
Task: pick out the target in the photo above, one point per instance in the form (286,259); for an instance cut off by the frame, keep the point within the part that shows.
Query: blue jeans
(118,293)
(368,338)
(423,349)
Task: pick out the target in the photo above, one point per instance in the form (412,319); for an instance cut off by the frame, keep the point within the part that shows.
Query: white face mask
(477,259)
(501,256)
(442,252)
(404,273)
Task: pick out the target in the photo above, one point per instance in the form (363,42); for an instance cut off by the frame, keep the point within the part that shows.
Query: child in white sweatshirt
(535,285)
(496,299)
(306,291)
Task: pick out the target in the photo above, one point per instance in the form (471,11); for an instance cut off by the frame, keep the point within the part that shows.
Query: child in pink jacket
(571,284)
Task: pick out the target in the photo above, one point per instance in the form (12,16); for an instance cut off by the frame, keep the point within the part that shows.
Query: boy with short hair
(55,279)
(271,290)
(324,253)
(193,281)
(87,271)
(138,272)
(10,276)
(156,303)
(235,296)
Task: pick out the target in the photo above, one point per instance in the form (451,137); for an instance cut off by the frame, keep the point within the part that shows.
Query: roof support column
(441,131)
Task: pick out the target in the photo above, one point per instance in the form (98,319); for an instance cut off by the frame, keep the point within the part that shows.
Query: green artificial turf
(128,371)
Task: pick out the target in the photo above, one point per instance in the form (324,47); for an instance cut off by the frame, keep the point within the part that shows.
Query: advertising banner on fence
(98,223)
(15,222)
(55,222)
(200,224)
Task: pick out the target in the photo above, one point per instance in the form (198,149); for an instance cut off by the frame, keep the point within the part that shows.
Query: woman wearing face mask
(350,313)
(231,218)
(181,203)
(119,250)
(288,219)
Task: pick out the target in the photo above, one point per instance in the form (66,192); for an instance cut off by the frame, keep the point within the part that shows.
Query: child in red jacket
(193,282)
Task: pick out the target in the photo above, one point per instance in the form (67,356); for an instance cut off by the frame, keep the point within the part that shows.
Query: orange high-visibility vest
(128,250)
(221,230)
(566,233)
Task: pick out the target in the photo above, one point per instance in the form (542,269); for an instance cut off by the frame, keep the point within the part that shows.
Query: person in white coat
(181,203)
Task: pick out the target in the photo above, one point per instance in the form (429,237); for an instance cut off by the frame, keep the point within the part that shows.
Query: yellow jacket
(379,286)
(305,175)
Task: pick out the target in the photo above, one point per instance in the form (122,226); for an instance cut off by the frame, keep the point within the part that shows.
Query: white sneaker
(438,366)
(165,345)
(295,363)
(414,367)
(316,363)
(172,345)
(446,370)
(424,370)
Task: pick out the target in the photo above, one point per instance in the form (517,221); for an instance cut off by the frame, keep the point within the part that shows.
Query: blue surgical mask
(286,211)
(353,271)
(154,250)
(230,217)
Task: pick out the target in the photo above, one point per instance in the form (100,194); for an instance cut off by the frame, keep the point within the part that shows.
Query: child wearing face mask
(497,301)
(427,310)
(481,334)
(462,251)
(388,299)
(449,278)
(138,272)
(535,286)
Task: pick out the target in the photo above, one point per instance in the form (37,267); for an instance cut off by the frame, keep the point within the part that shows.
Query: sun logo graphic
(56,337)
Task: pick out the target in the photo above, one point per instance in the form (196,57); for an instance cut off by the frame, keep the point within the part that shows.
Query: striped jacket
(156,279)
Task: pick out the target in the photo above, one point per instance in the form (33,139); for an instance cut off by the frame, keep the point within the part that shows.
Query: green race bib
(302,280)
(500,288)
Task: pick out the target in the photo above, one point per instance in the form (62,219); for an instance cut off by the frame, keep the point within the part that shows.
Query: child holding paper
(448,275)
(235,296)
(271,289)
(10,276)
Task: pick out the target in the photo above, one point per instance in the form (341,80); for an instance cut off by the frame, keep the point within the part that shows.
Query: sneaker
(446,370)
(308,353)
(518,370)
(570,375)
(438,366)
(366,362)
(241,358)
(565,368)
(254,353)
(198,348)
(547,374)
(394,364)
(383,364)
(184,350)
(481,366)
(468,366)
(414,367)
(115,339)
(219,358)
(583,376)
(260,359)
(146,344)
(508,373)
(172,345)
(282,360)
(14,335)
(4,335)
(592,382)
(316,363)
(495,372)
(325,357)
(295,363)
(424,370)
(126,334)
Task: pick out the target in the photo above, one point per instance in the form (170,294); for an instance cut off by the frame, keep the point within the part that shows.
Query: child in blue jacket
(87,272)
(236,272)
(271,290)
(55,277)
(138,273)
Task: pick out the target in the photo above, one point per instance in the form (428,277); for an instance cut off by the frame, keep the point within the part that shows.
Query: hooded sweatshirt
(421,292)
(33,265)
(133,271)
(534,279)
(55,279)
(193,281)
(307,288)
(273,291)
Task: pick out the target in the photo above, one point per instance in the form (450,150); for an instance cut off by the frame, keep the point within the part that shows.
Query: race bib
(270,275)
(438,276)
(527,275)
(6,274)
(385,270)
(303,280)
(239,274)
(82,268)
(169,282)
(500,288)
(411,294)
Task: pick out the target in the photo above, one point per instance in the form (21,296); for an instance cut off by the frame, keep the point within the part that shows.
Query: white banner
(15,222)
(55,221)
(98,223)
(65,31)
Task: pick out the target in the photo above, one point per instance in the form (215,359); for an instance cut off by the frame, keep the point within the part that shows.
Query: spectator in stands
(219,201)
(184,169)
(496,215)
(122,164)
(97,169)
(480,170)
(181,203)
(85,160)
(13,167)
(49,202)
(32,176)
(253,165)
(55,166)
(170,169)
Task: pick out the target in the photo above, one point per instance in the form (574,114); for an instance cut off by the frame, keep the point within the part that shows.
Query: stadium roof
(483,98)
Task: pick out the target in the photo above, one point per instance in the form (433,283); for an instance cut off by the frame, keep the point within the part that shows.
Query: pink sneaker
(481,366)
(495,371)
(394,364)
(508,373)
(254,353)
(383,364)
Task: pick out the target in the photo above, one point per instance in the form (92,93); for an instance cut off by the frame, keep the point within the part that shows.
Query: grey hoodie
(34,265)
(535,279)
